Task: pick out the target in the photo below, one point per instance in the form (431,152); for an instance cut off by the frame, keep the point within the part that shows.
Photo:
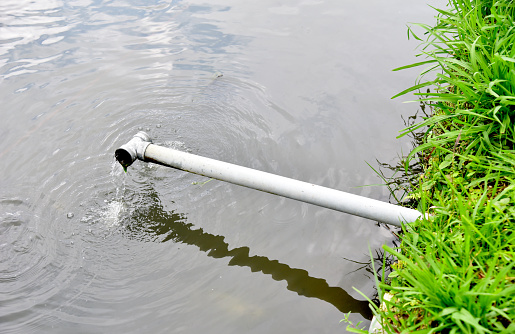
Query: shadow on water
(152,223)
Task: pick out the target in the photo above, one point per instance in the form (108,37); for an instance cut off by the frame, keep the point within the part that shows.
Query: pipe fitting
(134,149)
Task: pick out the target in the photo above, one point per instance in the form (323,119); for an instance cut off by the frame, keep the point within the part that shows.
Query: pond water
(297,88)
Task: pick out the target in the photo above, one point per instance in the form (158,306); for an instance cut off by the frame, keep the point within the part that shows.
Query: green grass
(456,270)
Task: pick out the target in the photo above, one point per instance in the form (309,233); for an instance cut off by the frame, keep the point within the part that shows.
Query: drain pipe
(141,147)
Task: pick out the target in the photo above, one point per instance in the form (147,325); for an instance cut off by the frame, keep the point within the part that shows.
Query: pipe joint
(134,149)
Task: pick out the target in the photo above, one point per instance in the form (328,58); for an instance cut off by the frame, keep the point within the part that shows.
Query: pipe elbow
(134,149)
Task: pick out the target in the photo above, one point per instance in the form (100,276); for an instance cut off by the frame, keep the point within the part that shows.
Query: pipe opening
(124,158)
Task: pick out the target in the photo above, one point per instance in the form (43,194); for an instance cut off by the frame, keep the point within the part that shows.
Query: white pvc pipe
(282,186)
(141,147)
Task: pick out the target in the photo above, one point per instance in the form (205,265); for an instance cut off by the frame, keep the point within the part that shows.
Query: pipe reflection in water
(153,223)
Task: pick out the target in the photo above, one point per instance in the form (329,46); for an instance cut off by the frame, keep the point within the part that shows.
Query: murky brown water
(305,93)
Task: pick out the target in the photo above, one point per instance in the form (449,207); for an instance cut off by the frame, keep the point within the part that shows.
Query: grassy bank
(455,271)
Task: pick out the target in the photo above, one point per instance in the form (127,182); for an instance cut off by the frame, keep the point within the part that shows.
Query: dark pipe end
(124,157)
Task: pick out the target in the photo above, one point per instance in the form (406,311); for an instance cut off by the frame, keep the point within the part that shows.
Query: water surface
(297,88)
